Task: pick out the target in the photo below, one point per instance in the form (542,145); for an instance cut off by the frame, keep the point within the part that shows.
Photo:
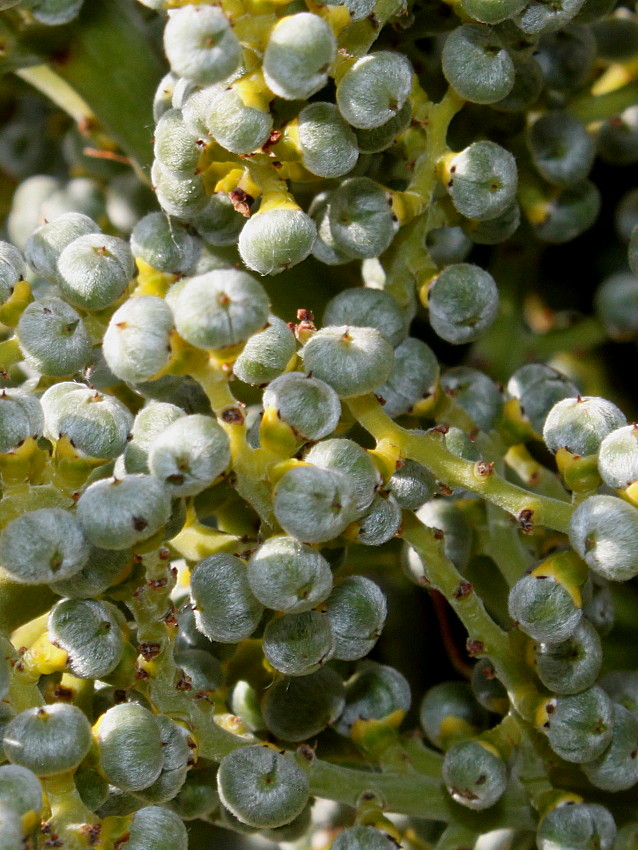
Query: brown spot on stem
(525,521)
(475,647)
(464,589)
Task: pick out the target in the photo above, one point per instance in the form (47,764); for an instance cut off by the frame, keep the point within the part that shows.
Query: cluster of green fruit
(208,502)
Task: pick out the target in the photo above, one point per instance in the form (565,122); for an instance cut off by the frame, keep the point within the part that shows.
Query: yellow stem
(429,449)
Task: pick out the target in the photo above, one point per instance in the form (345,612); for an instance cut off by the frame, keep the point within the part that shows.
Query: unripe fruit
(299,53)
(42,546)
(136,344)
(314,504)
(289,576)
(277,239)
(374,89)
(130,746)
(189,455)
(604,532)
(225,607)
(299,644)
(474,774)
(48,739)
(310,406)
(118,513)
(219,309)
(261,787)
(352,360)
(200,44)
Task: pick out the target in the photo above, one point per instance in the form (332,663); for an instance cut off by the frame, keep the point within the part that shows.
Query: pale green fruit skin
(543,608)
(484,180)
(271,242)
(580,826)
(475,776)
(190,454)
(101,570)
(299,644)
(357,610)
(373,692)
(314,504)
(538,387)
(130,747)
(186,55)
(580,728)
(219,308)
(89,630)
(310,406)
(225,608)
(373,90)
(11,832)
(347,456)
(164,244)
(118,513)
(477,65)
(47,242)
(362,225)
(352,360)
(94,270)
(616,769)
(328,145)
(21,417)
(381,521)
(48,739)
(266,353)
(236,127)
(366,307)
(573,665)
(295,709)
(580,424)
(604,532)
(288,576)
(261,787)
(42,546)
(414,376)
(463,302)
(136,343)
(618,457)
(97,425)
(149,423)
(450,699)
(12,269)
(362,838)
(54,338)
(22,787)
(156,828)
(299,52)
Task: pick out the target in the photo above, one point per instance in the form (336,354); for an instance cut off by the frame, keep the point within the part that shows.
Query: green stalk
(598,107)
(444,576)
(429,450)
(419,796)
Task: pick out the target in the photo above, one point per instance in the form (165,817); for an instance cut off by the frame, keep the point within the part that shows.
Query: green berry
(261,787)
(298,56)
(48,739)
(299,644)
(130,747)
(42,546)
(289,576)
(352,360)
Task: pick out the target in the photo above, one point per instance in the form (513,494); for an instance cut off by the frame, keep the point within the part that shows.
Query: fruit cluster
(217,488)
